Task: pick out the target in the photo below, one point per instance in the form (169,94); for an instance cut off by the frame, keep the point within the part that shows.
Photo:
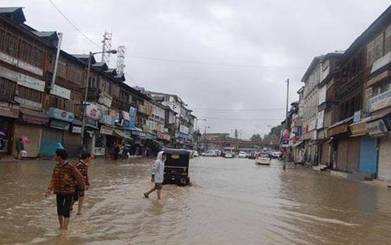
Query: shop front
(8,113)
(30,126)
(59,124)
(164,138)
(380,130)
(72,138)
(345,149)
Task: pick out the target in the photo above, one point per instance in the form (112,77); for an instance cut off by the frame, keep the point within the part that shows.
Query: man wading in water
(65,177)
(157,175)
(82,167)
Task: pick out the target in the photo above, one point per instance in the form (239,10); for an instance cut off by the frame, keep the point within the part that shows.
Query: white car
(195,154)
(263,159)
(209,154)
(242,154)
(229,155)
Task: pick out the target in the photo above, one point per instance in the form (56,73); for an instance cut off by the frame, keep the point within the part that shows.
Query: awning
(34,117)
(106,130)
(359,128)
(122,134)
(340,127)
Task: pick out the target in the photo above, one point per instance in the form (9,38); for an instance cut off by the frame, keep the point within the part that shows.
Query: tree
(256,138)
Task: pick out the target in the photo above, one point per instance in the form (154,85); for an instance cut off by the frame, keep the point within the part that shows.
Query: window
(56,102)
(31,54)
(61,69)
(8,43)
(30,94)
(8,91)
(381,88)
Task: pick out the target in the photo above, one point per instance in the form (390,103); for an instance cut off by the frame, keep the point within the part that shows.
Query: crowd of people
(69,181)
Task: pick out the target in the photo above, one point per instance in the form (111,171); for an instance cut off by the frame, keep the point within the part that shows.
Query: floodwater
(231,201)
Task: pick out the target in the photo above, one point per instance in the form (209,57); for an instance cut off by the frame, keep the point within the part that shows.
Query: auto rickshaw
(176,169)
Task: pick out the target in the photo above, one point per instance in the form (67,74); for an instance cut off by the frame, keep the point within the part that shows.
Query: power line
(244,119)
(72,24)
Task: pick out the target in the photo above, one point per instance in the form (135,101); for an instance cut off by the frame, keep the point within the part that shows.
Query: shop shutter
(342,152)
(49,142)
(353,154)
(385,158)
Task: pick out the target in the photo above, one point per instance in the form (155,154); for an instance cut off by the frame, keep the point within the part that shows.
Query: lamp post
(84,107)
(205,140)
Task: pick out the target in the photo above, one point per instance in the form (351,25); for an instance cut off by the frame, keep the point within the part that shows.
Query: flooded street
(231,201)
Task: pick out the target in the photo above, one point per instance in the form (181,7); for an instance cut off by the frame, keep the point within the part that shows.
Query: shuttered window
(8,43)
(30,94)
(8,89)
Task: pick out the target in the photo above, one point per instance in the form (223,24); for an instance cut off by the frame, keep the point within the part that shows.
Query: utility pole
(286,122)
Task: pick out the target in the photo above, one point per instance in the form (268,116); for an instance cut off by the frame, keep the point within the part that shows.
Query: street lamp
(205,140)
(91,54)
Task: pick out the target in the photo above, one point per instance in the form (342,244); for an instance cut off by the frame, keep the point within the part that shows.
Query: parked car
(209,153)
(242,154)
(229,154)
(195,154)
(276,154)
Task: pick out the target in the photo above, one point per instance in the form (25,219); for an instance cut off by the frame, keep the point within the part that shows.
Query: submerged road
(231,201)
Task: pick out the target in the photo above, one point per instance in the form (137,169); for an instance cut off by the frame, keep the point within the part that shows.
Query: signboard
(61,115)
(99,151)
(380,101)
(183,129)
(107,119)
(357,116)
(106,130)
(61,92)
(59,125)
(105,99)
(76,130)
(93,112)
(21,64)
(9,110)
(125,115)
(28,103)
(31,82)
(132,117)
(377,128)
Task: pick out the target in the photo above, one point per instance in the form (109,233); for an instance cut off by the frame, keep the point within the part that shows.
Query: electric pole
(286,123)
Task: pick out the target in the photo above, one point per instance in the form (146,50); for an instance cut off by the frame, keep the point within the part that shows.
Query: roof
(14,14)
(311,67)
(369,33)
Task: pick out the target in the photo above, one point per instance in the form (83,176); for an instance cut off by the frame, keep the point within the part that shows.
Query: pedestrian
(64,179)
(157,175)
(116,151)
(82,167)
(19,144)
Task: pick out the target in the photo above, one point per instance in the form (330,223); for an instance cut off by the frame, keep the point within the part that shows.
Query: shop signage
(163,136)
(105,99)
(357,116)
(9,110)
(76,130)
(125,115)
(380,101)
(125,119)
(30,82)
(91,123)
(21,64)
(132,117)
(92,111)
(61,115)
(358,129)
(61,92)
(183,129)
(28,103)
(106,130)
(107,119)
(377,128)
(59,125)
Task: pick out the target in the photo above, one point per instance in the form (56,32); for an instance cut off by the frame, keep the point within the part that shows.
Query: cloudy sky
(227,59)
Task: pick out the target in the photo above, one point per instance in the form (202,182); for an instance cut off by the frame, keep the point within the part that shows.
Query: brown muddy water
(231,201)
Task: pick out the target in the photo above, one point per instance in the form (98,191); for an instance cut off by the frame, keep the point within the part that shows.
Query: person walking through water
(157,175)
(19,145)
(82,167)
(64,179)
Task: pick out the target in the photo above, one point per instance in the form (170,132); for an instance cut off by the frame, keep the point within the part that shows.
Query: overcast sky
(227,59)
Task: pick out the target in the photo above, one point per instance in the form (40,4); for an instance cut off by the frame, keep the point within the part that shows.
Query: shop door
(324,154)
(50,140)
(342,152)
(385,158)
(368,155)
(353,154)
